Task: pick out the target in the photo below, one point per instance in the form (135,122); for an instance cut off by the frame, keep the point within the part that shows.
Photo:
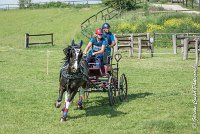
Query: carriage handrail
(118,57)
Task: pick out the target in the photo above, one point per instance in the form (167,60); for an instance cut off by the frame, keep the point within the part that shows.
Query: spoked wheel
(86,94)
(112,90)
(123,88)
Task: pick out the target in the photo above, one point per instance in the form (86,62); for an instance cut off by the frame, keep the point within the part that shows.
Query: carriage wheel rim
(111,92)
(123,87)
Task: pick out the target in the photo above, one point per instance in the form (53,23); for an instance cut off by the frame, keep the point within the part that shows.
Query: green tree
(24,3)
(125,4)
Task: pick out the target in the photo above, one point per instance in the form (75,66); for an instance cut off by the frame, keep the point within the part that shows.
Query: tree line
(114,3)
(24,3)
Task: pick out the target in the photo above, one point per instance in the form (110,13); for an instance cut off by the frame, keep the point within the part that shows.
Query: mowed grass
(64,23)
(160,97)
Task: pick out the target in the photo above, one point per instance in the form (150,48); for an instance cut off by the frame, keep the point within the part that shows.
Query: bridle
(75,58)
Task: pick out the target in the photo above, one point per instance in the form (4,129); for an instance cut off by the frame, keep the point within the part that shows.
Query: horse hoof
(61,111)
(80,107)
(63,119)
(57,104)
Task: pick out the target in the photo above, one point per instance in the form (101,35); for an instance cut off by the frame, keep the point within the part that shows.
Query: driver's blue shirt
(96,45)
(109,38)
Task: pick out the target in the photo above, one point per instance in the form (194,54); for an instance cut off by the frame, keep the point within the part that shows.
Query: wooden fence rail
(27,39)
(135,41)
(197,52)
(188,44)
(174,39)
(139,41)
(181,37)
(105,14)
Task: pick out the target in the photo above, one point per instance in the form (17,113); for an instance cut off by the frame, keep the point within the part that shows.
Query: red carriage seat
(94,67)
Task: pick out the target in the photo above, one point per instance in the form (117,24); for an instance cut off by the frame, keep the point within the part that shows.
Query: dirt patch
(175,8)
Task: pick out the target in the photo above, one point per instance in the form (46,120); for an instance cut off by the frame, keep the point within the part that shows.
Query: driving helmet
(105,25)
(98,31)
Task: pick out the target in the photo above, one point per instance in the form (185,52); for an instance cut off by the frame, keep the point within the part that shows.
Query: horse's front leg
(65,107)
(68,99)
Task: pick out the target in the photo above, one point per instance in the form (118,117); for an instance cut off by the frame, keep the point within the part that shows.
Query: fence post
(116,45)
(197,52)
(182,42)
(148,38)
(185,49)
(26,40)
(52,39)
(131,49)
(174,43)
(139,48)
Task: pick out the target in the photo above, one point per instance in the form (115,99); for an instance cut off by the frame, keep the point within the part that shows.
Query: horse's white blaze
(76,62)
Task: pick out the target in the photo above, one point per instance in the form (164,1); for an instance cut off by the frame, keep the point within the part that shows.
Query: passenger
(98,45)
(109,38)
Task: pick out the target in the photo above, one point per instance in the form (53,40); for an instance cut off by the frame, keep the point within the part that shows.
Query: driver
(109,38)
(98,44)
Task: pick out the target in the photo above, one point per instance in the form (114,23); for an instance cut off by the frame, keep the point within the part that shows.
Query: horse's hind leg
(81,95)
(58,102)
(80,101)
(62,89)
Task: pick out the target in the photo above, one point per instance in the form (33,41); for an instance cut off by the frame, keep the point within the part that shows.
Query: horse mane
(66,52)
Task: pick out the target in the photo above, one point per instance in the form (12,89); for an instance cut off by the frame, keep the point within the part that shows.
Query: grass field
(63,22)
(160,97)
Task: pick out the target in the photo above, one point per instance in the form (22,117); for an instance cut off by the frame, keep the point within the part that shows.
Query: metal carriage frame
(106,79)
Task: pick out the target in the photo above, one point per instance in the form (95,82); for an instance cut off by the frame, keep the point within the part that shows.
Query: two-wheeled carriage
(102,77)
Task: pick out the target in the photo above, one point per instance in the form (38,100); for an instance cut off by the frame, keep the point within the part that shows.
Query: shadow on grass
(138,95)
(99,106)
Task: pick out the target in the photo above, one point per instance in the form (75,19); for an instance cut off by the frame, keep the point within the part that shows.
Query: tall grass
(187,23)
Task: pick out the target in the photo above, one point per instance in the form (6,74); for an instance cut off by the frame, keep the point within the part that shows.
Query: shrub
(125,4)
(24,3)
(175,22)
(124,27)
(154,28)
(56,5)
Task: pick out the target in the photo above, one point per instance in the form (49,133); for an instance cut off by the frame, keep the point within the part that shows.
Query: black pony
(73,74)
